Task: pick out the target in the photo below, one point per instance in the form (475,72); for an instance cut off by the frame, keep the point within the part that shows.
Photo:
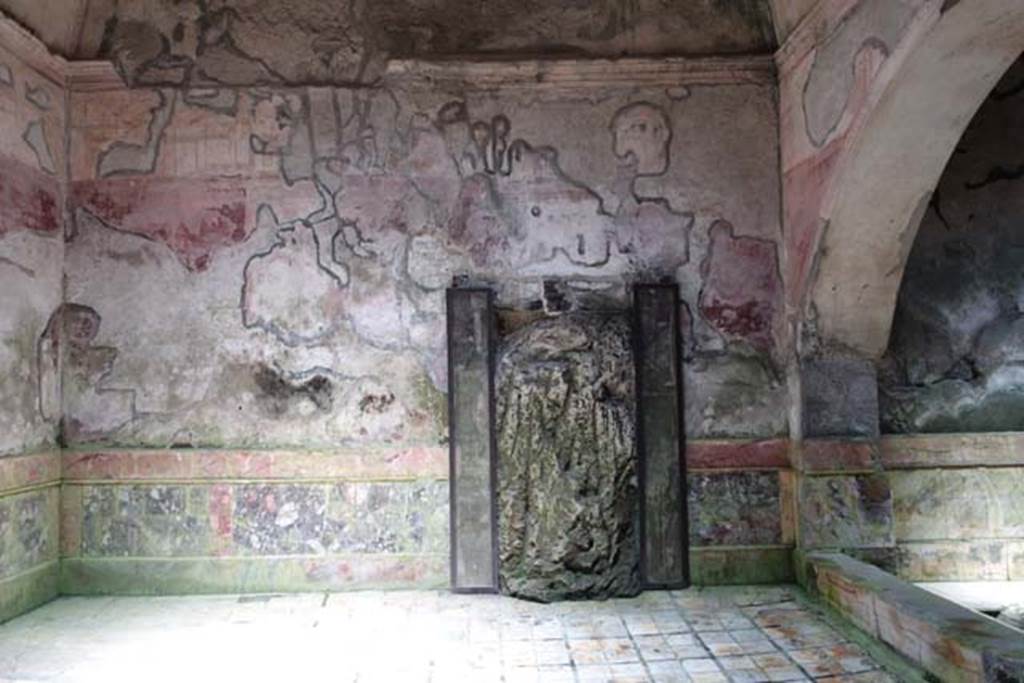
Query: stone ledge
(536,74)
(717,566)
(924,451)
(370,463)
(207,575)
(18,472)
(948,640)
(602,73)
(827,456)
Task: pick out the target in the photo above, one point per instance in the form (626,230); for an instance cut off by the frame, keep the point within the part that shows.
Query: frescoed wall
(254,268)
(32,184)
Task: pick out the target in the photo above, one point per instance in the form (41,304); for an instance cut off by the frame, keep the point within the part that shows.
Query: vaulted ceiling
(336,41)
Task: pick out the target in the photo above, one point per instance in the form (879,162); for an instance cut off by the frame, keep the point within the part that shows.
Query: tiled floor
(734,634)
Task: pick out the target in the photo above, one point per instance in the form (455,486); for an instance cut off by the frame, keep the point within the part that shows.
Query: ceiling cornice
(93,76)
(29,49)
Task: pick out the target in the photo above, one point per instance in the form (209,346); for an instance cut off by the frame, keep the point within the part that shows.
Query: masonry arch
(890,171)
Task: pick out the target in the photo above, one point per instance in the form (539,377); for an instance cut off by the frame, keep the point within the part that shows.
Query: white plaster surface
(984,596)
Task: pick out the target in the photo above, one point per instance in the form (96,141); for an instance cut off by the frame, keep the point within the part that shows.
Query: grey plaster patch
(289,306)
(871,25)
(38,96)
(840,397)
(734,394)
(125,158)
(35,137)
(219,100)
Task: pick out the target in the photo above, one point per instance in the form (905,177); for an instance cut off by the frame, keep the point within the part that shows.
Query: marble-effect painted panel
(735,508)
(261,519)
(28,531)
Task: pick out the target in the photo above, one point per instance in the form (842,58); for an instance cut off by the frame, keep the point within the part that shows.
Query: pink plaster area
(805,186)
(742,287)
(29,470)
(370,570)
(29,199)
(222,506)
(194,218)
(810,172)
(190,464)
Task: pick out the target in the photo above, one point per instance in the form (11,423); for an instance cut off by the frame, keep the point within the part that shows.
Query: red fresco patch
(741,286)
(805,186)
(833,455)
(194,218)
(28,199)
(221,508)
(767,454)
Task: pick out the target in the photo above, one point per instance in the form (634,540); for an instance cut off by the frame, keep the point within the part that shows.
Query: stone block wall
(32,180)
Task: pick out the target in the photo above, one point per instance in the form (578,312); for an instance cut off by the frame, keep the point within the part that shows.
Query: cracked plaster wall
(32,180)
(264,267)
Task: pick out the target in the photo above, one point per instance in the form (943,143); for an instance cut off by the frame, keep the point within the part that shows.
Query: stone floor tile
(619,651)
(876,676)
(736,663)
(669,671)
(518,653)
(551,652)
(845,658)
(556,674)
(686,646)
(593,672)
(520,675)
(443,637)
(609,626)
(548,628)
(640,624)
(629,673)
(803,636)
(654,648)
(720,643)
(709,677)
(694,666)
